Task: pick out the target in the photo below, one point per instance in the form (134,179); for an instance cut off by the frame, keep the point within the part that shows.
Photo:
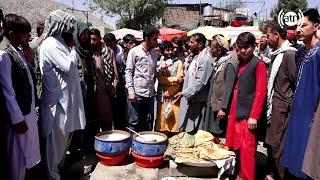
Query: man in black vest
(249,92)
(3,134)
(17,98)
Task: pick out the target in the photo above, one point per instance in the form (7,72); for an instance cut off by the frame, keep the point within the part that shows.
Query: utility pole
(199,23)
(86,13)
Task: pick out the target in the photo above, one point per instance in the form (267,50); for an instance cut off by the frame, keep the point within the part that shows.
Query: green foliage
(288,5)
(133,14)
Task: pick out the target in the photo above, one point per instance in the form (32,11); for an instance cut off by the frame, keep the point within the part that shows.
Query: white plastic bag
(168,110)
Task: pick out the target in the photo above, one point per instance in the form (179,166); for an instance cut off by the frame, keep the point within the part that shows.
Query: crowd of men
(69,83)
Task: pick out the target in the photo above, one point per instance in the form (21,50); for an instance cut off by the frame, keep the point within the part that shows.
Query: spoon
(145,140)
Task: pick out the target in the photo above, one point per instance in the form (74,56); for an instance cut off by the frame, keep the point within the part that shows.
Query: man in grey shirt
(196,86)
(140,78)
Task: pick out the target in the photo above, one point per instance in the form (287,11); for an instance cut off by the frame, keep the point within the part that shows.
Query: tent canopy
(167,34)
(230,32)
(120,33)
(208,31)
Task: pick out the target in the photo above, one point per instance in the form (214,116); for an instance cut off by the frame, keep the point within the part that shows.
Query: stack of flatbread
(202,150)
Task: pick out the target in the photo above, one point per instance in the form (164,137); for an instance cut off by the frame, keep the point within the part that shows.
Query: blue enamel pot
(145,147)
(112,143)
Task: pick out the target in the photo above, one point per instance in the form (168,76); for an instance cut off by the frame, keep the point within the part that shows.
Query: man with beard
(62,110)
(119,100)
(196,86)
(264,50)
(281,87)
(140,78)
(17,98)
(106,78)
(83,140)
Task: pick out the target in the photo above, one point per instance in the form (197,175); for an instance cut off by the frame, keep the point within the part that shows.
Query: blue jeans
(141,114)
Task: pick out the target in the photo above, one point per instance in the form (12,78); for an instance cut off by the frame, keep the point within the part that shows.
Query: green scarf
(83,49)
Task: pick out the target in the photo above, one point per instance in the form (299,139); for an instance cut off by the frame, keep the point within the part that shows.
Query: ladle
(144,139)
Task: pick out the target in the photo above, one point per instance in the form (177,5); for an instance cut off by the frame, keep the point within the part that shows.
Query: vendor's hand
(133,97)
(180,79)
(40,38)
(166,94)
(221,114)
(262,55)
(252,123)
(177,97)
(21,127)
(73,45)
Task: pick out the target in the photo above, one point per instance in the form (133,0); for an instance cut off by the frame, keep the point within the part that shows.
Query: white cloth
(119,55)
(58,22)
(56,146)
(23,149)
(61,85)
(226,165)
(274,71)
(221,63)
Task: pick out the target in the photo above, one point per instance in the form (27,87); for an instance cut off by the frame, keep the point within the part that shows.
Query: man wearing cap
(291,37)
(62,110)
(219,93)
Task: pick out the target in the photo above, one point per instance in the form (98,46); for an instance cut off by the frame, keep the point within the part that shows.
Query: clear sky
(254,7)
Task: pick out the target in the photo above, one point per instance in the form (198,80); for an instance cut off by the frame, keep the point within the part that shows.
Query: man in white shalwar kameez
(17,98)
(62,110)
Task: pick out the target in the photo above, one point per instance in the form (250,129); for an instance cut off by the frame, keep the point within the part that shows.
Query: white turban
(58,22)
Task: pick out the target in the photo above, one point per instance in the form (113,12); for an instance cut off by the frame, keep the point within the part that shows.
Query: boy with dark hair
(140,79)
(249,92)
(305,101)
(170,77)
(17,97)
(129,42)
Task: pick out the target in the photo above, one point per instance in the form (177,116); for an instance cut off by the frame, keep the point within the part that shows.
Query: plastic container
(112,160)
(147,162)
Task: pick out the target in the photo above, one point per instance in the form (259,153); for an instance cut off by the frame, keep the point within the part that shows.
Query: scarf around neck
(274,71)
(221,63)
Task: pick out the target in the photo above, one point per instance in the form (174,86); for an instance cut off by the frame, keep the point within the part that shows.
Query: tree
(288,5)
(134,14)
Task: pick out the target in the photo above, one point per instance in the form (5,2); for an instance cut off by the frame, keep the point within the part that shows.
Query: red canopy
(167,34)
